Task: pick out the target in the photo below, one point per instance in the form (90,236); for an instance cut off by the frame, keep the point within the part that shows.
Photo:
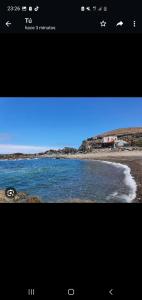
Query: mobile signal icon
(24,8)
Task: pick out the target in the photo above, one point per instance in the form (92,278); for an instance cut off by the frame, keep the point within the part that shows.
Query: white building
(109,139)
(121,143)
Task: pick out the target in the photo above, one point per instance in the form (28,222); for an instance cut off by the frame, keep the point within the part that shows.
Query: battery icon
(24,8)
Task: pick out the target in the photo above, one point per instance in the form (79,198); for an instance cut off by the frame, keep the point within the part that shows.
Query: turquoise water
(64,180)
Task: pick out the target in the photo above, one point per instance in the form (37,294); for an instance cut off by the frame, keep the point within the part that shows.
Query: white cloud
(9,148)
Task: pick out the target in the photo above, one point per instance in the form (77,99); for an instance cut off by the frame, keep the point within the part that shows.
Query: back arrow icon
(8,23)
(111,292)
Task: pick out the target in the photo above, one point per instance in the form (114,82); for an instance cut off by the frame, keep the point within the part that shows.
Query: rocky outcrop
(133,136)
(51,152)
(65,150)
(20,197)
(17,156)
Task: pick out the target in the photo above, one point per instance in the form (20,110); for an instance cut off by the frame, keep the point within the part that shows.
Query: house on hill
(109,141)
(120,139)
(113,142)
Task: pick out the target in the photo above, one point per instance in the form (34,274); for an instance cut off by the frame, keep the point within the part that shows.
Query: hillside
(132,135)
(123,131)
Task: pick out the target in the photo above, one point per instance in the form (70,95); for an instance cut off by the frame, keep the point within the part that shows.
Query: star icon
(103,23)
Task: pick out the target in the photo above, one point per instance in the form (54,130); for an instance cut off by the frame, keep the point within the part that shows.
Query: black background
(63,246)
(71,65)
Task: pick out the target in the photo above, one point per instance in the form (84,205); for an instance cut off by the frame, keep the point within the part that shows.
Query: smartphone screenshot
(81,16)
(69,161)
(70,149)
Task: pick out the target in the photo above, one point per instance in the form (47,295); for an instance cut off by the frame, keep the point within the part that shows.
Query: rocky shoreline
(20,197)
(67,153)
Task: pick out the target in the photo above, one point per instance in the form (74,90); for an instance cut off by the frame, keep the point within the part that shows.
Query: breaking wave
(128,180)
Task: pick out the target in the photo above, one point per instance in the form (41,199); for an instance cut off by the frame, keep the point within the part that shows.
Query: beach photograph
(71,150)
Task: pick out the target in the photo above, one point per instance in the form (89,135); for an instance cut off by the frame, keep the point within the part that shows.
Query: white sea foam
(18,159)
(128,180)
(112,195)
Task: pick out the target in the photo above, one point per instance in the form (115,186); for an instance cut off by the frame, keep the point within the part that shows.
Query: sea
(66,180)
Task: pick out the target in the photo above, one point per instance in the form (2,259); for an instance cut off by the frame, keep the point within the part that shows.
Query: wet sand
(136,171)
(131,159)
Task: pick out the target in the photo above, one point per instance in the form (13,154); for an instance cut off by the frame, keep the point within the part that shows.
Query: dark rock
(33,200)
(20,197)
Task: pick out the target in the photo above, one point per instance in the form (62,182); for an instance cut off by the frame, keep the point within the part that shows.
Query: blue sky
(36,124)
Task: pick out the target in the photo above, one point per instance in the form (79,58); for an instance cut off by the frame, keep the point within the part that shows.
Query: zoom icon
(10,192)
